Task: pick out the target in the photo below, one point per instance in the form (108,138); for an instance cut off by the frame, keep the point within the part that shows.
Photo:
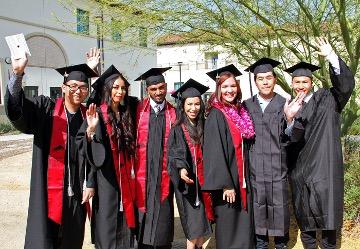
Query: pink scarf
(240,117)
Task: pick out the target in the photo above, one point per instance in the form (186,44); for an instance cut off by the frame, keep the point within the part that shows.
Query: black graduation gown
(234,225)
(317,175)
(193,218)
(156,226)
(34,116)
(268,168)
(108,225)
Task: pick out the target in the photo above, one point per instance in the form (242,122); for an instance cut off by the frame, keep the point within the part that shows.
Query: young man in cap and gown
(317,170)
(268,165)
(57,213)
(154,191)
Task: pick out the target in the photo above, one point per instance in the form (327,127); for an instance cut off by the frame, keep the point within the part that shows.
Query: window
(115,33)
(31,91)
(177,85)
(211,60)
(82,20)
(55,92)
(143,37)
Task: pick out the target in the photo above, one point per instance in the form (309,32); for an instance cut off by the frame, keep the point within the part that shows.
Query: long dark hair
(124,128)
(217,94)
(195,131)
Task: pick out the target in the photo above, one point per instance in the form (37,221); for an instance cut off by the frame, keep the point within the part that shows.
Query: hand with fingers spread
(93,58)
(92,118)
(18,65)
(184,176)
(229,195)
(323,46)
(87,194)
(292,108)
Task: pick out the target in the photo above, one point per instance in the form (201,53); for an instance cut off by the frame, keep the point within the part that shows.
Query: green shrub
(355,128)
(352,179)
(6,127)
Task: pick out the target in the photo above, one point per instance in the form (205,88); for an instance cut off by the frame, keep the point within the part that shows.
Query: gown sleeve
(343,84)
(217,140)
(26,114)
(177,157)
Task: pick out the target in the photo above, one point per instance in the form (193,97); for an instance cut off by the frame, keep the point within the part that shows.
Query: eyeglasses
(74,88)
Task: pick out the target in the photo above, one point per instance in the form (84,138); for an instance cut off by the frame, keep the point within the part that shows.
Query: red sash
(56,161)
(197,157)
(143,115)
(237,141)
(122,166)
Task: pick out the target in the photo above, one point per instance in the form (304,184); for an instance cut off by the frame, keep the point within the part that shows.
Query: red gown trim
(238,145)
(143,115)
(56,161)
(123,172)
(196,152)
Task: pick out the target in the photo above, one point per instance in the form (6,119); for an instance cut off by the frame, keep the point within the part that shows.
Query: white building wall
(42,17)
(193,60)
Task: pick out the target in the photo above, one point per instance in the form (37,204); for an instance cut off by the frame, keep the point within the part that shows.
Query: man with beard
(154,192)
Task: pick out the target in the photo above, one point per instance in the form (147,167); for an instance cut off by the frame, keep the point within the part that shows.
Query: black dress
(234,225)
(317,171)
(34,116)
(193,218)
(156,226)
(109,228)
(268,168)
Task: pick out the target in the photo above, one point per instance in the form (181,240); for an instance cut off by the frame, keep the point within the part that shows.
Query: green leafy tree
(250,29)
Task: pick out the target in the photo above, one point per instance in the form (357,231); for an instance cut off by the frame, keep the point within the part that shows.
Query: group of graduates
(229,162)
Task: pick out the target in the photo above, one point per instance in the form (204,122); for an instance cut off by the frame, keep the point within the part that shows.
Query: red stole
(238,145)
(122,167)
(143,115)
(197,156)
(56,161)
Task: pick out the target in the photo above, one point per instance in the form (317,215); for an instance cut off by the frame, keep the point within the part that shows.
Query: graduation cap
(262,65)
(229,68)
(302,69)
(153,76)
(190,89)
(99,85)
(80,72)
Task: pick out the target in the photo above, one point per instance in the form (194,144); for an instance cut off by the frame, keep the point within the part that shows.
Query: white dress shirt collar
(308,97)
(154,104)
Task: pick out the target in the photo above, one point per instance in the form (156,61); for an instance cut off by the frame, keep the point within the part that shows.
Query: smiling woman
(109,134)
(227,126)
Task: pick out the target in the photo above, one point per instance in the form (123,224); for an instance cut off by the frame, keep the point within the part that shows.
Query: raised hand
(92,117)
(323,46)
(184,176)
(229,195)
(93,58)
(18,65)
(292,108)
